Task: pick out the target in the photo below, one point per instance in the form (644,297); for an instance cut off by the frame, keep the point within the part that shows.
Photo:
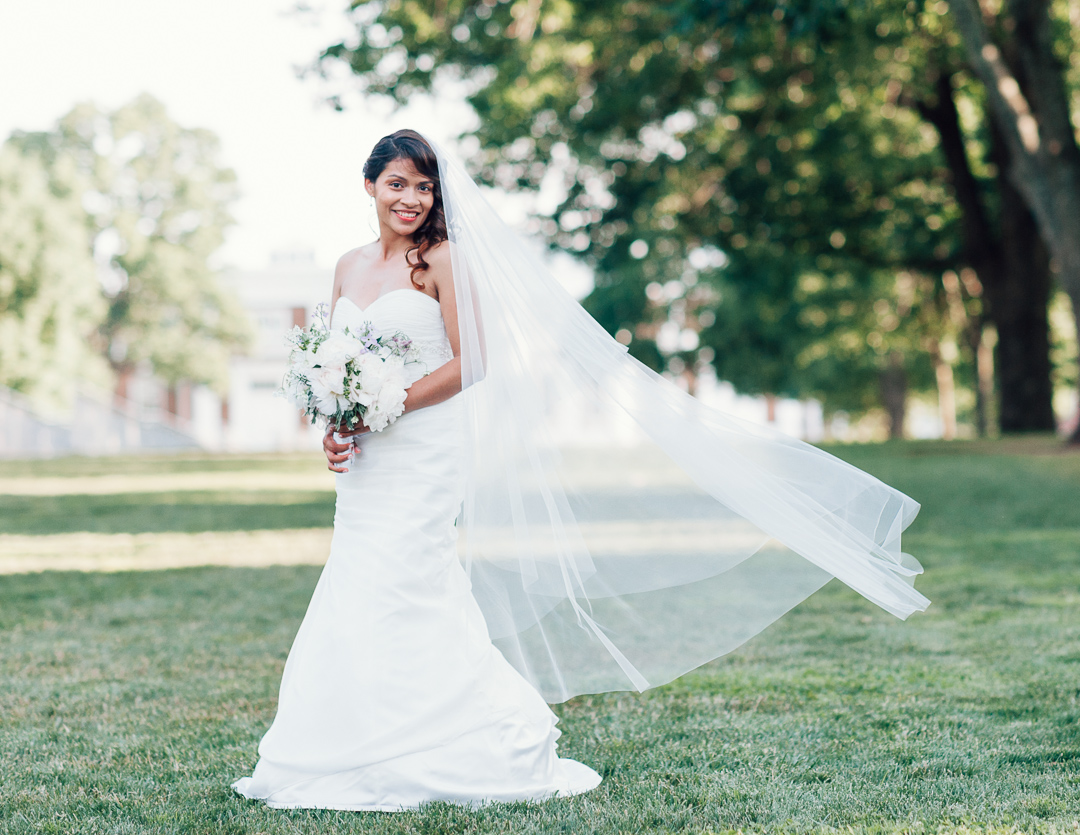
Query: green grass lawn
(130,701)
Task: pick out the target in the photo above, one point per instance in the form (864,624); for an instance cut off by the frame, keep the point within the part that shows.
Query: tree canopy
(155,204)
(759,186)
(50,302)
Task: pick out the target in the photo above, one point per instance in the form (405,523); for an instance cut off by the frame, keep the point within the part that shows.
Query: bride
(485,563)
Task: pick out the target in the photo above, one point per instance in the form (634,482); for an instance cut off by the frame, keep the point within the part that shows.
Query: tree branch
(1019,125)
(980,239)
(1043,76)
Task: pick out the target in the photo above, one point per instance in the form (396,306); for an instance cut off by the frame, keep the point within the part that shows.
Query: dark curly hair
(411,146)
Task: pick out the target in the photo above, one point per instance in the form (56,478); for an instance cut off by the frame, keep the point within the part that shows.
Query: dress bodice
(416,314)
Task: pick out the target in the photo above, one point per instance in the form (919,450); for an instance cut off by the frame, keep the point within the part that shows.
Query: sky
(229,66)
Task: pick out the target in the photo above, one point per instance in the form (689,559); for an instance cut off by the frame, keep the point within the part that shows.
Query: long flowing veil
(616,531)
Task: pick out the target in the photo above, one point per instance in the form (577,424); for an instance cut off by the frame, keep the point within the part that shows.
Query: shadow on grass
(74,466)
(181,511)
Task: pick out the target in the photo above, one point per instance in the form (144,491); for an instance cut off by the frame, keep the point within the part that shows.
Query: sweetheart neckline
(383,296)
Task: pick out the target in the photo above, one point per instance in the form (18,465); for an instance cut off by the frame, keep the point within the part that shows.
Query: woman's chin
(406,230)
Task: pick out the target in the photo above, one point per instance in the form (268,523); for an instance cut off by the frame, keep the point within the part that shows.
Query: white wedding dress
(393,694)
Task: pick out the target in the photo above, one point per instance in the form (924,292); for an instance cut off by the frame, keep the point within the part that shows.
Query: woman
(419,676)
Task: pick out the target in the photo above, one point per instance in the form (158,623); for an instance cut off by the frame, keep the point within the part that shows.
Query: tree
(1000,239)
(157,203)
(50,302)
(1017,54)
(792,138)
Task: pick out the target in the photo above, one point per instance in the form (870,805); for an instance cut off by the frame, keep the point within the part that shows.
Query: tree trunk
(1018,308)
(121,389)
(983,342)
(691,378)
(946,389)
(1029,105)
(1013,267)
(893,383)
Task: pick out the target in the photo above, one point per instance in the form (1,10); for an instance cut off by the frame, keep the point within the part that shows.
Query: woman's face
(403,197)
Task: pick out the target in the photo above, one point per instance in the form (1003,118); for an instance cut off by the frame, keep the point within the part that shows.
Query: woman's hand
(338,454)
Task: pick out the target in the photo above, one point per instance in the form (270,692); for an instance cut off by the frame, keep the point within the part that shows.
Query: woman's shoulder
(440,268)
(351,261)
(359,253)
(439,257)
(439,252)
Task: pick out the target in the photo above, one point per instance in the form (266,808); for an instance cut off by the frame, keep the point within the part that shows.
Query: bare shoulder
(350,258)
(440,258)
(440,267)
(349,265)
(439,255)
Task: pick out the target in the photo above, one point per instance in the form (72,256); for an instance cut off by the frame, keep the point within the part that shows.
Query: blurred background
(853,219)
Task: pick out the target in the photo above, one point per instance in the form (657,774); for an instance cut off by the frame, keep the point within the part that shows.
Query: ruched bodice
(416,314)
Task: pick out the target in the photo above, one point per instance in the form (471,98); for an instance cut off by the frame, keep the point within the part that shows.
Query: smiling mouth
(408,217)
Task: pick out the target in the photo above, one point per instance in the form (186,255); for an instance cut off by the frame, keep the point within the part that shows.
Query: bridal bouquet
(348,376)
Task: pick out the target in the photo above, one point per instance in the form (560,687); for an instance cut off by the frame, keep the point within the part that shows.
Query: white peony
(368,379)
(388,404)
(358,394)
(337,349)
(328,385)
(332,372)
(392,397)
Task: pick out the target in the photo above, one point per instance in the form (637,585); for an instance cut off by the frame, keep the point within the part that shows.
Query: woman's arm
(439,385)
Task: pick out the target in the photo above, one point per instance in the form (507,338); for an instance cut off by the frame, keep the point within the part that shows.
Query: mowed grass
(136,510)
(130,701)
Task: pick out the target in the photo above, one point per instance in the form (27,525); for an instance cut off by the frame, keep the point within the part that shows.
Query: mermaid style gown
(393,694)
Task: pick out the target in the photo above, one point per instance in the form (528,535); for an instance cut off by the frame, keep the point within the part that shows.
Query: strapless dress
(393,694)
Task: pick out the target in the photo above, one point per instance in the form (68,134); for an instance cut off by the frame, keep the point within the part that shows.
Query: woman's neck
(392,245)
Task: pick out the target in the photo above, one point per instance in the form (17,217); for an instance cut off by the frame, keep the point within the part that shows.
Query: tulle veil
(616,531)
